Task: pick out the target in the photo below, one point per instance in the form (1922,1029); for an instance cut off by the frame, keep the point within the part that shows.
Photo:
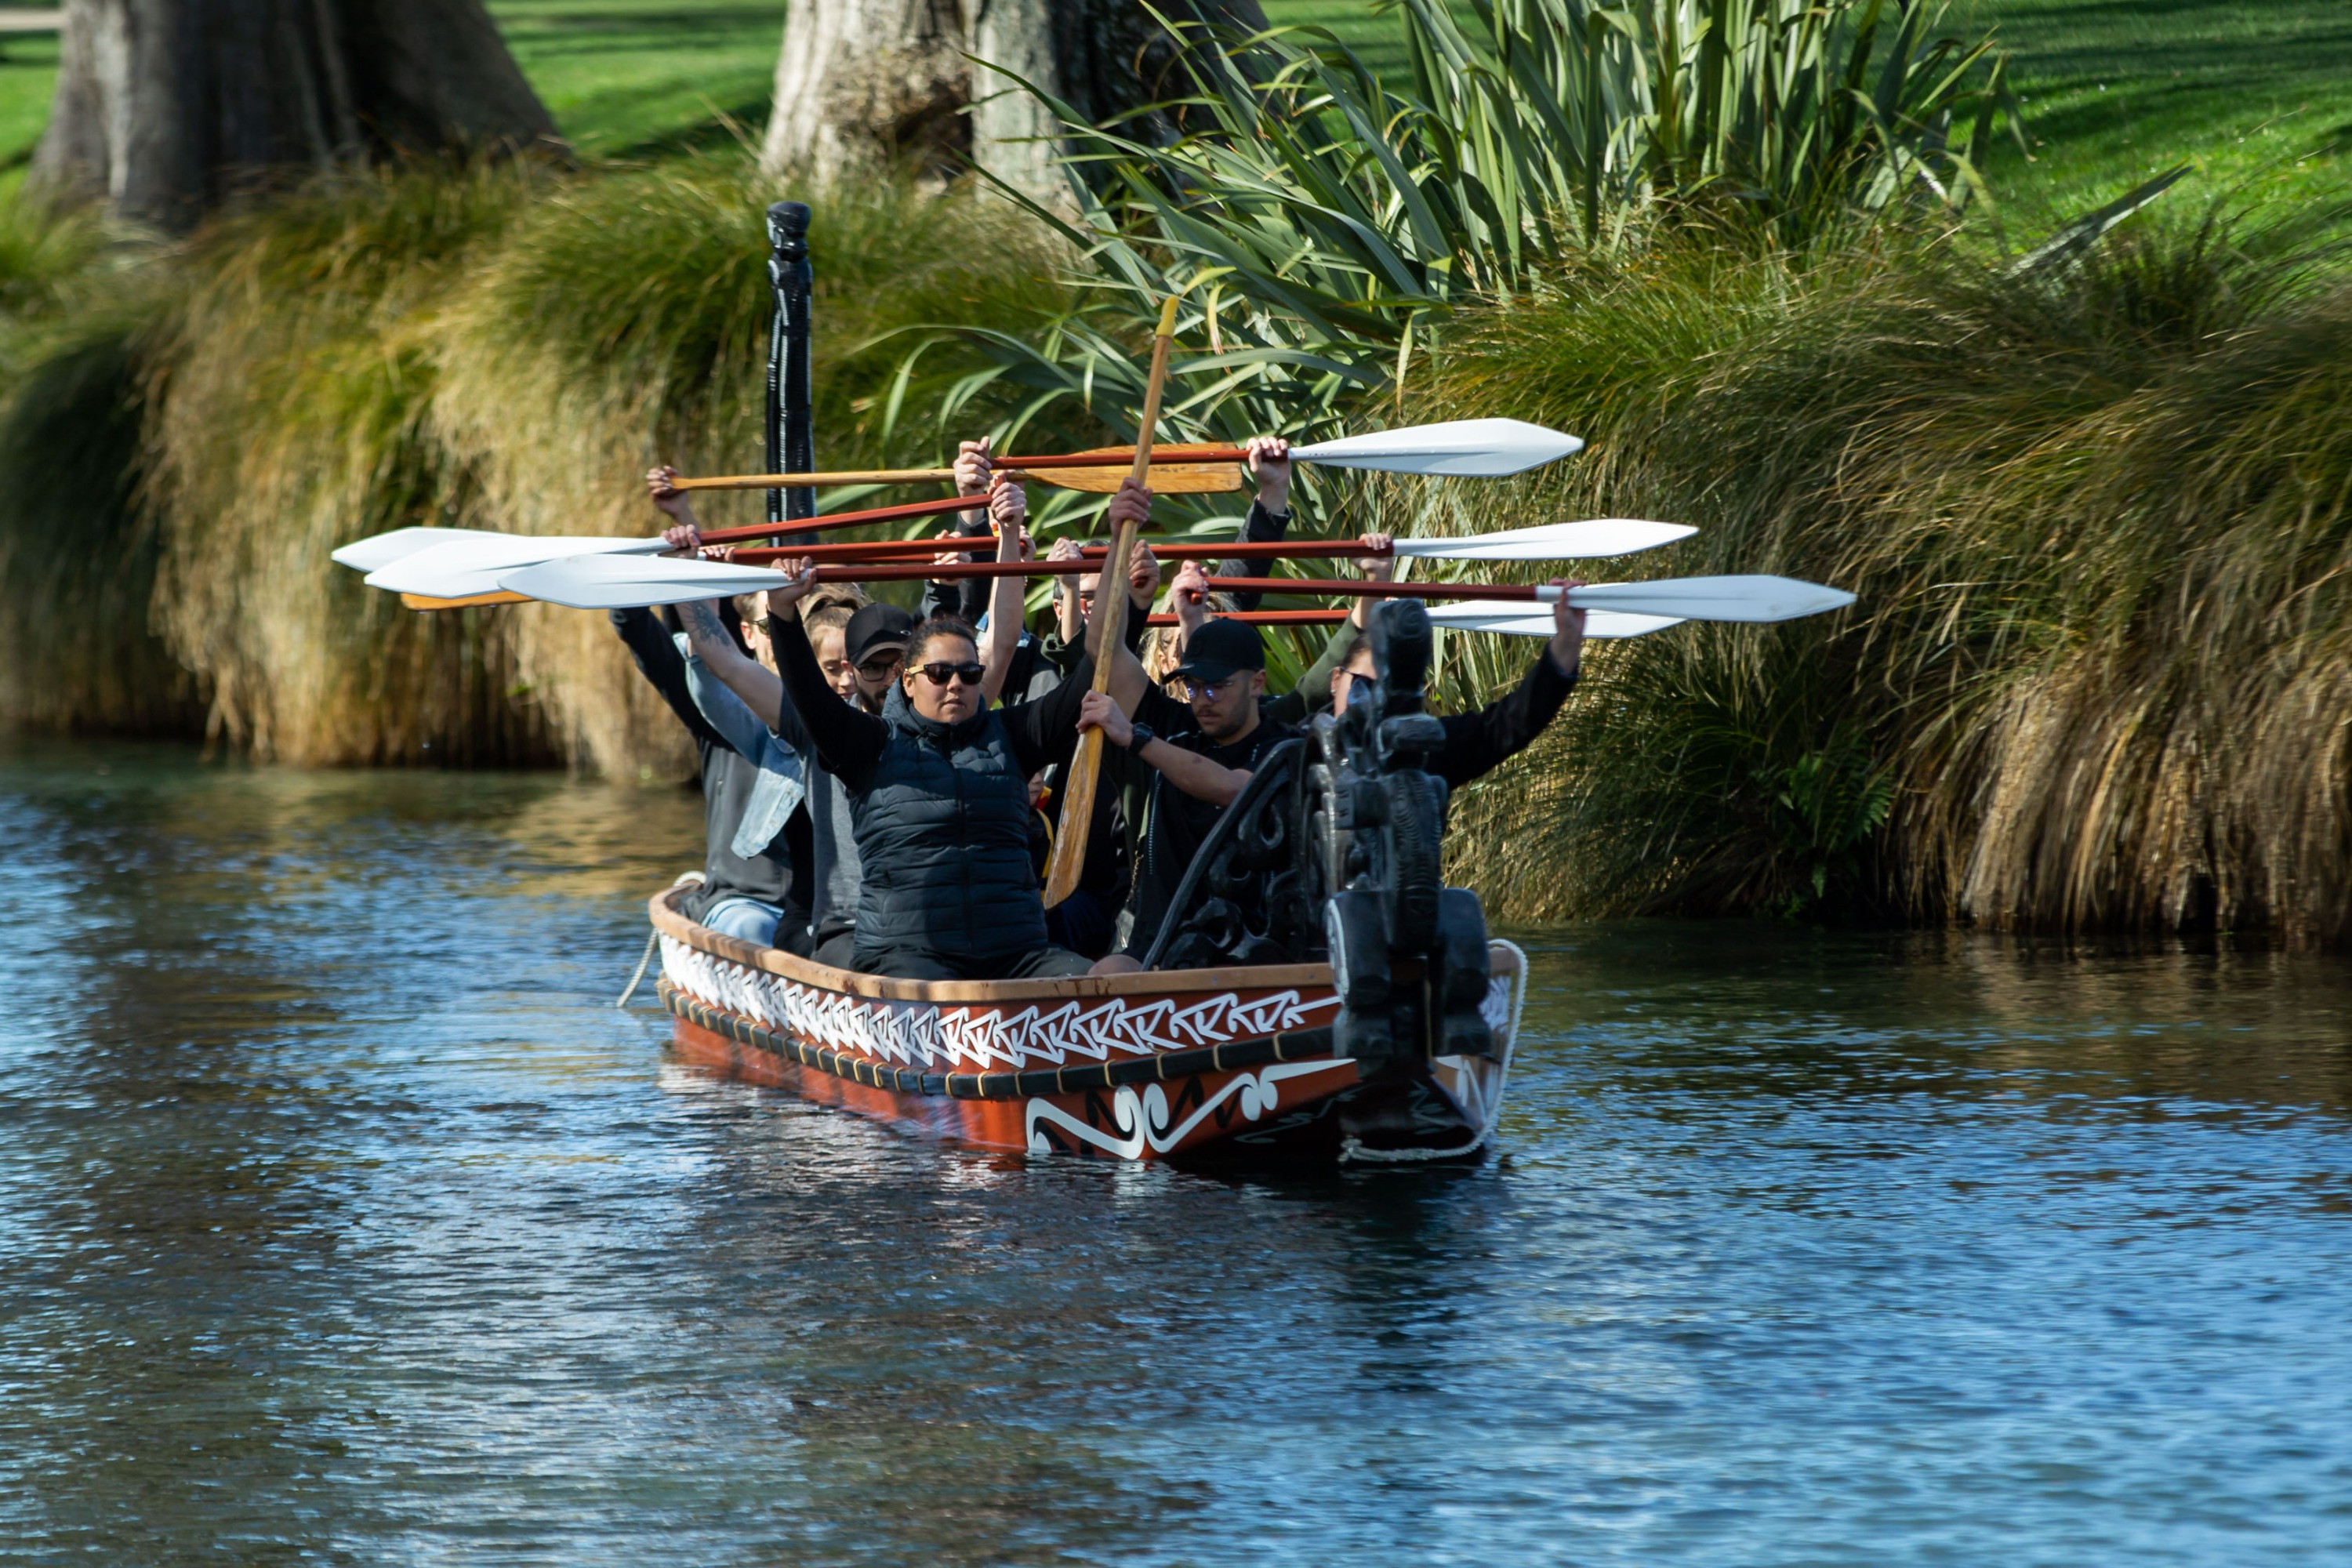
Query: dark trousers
(1083,922)
(919,964)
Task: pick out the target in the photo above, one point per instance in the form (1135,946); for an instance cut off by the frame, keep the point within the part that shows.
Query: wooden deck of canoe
(1200,1066)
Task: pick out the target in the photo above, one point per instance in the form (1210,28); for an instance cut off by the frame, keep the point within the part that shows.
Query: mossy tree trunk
(165,107)
(865,84)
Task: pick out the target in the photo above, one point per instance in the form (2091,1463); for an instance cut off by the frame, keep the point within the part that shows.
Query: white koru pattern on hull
(1143,1117)
(983,1039)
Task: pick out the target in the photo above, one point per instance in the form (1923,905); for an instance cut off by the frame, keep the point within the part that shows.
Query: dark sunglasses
(941,674)
(1210,691)
(875,668)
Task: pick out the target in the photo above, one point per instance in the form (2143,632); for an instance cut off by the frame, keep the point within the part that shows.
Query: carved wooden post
(791,428)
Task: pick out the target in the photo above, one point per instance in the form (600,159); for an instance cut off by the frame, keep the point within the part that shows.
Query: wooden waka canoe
(1207,1066)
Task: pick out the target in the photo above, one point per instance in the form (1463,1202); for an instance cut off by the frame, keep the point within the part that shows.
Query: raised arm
(848,744)
(1008,508)
(752,683)
(1477,743)
(1269,514)
(1195,775)
(657,659)
(965,598)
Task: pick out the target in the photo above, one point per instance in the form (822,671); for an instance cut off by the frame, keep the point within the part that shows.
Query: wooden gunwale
(963,993)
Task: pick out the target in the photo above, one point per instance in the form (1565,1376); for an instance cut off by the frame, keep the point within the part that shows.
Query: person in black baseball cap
(874,643)
(1201,752)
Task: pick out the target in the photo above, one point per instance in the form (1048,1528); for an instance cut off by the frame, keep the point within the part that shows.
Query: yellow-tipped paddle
(1069,855)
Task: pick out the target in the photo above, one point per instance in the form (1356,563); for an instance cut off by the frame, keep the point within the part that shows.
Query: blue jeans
(745,919)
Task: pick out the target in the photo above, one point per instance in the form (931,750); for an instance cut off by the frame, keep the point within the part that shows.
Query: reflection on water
(342,1219)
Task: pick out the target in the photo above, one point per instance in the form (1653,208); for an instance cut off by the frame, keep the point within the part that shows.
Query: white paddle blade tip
(381,549)
(1514,618)
(1471,449)
(1592,540)
(633,582)
(464,567)
(1753,599)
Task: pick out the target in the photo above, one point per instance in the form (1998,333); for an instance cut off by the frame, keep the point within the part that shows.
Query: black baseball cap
(1218,649)
(875,628)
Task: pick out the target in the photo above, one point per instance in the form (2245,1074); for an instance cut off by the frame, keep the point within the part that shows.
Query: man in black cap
(1198,753)
(874,643)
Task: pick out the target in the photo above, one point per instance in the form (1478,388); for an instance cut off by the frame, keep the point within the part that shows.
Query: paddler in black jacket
(1477,743)
(938,792)
(1197,755)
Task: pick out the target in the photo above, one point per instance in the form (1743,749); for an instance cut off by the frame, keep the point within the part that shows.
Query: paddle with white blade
(466,563)
(1738,598)
(381,549)
(1592,540)
(1468,448)
(1508,620)
(634,582)
(1513,620)
(623,582)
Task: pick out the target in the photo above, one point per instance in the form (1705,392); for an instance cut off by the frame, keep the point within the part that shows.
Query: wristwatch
(1139,736)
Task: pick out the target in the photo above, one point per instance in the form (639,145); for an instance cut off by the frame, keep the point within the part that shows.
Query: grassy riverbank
(2097,515)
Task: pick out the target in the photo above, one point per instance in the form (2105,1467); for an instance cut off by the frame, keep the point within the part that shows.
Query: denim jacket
(783,783)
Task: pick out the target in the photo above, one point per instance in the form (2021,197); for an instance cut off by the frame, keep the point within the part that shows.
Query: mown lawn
(29,71)
(2258,92)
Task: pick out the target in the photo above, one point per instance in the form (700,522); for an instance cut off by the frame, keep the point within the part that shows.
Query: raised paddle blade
(1747,598)
(381,549)
(634,582)
(1165,479)
(1478,448)
(463,568)
(1515,618)
(1589,540)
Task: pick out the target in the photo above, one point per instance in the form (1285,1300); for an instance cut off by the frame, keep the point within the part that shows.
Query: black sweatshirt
(1477,743)
(850,741)
(1176,824)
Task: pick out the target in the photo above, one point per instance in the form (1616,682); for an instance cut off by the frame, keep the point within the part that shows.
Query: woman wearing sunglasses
(939,795)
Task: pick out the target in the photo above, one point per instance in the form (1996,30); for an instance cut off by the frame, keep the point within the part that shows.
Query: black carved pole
(792,431)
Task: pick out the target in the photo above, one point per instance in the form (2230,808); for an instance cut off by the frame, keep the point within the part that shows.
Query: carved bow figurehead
(1409,952)
(1336,848)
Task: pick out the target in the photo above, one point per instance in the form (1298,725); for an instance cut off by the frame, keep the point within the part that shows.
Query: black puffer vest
(943,837)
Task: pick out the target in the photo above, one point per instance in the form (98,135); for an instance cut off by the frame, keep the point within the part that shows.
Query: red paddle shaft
(916,571)
(899,549)
(1543,593)
(1270,618)
(844,519)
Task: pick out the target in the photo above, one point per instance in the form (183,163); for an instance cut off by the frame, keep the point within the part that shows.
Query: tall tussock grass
(490,346)
(2099,519)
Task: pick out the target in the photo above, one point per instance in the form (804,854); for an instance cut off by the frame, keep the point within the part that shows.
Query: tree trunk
(868,84)
(165,107)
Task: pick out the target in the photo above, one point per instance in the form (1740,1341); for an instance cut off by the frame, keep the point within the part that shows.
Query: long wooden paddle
(1097,471)
(1486,448)
(1069,856)
(618,582)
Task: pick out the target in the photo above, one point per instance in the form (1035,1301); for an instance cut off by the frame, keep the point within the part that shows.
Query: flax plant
(1324,225)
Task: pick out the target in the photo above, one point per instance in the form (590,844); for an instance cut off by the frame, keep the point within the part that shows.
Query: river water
(343,1219)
